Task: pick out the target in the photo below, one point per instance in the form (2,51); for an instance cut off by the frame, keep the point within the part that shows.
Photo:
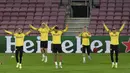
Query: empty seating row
(114,13)
(20,13)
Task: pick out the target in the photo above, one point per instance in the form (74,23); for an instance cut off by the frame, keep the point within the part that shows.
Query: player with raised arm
(19,43)
(44,31)
(114,43)
(56,44)
(85,36)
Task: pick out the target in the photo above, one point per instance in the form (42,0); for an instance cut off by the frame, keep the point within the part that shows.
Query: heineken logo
(68,45)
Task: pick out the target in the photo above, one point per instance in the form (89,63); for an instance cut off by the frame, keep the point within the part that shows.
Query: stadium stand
(113,12)
(21,13)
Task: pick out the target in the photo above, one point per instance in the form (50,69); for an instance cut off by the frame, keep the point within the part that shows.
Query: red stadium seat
(20,13)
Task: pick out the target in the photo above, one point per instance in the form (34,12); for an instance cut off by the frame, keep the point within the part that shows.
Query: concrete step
(77,20)
(77,25)
(74,29)
(71,33)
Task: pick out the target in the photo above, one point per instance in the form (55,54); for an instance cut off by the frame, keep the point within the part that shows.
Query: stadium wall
(70,44)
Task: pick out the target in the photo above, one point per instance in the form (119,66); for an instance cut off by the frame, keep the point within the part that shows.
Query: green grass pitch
(72,63)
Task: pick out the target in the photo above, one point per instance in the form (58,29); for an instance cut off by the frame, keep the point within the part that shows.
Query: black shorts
(44,44)
(114,47)
(56,48)
(19,48)
(84,48)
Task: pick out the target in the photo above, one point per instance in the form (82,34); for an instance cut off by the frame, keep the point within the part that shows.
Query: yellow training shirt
(85,38)
(19,39)
(114,38)
(44,33)
(56,36)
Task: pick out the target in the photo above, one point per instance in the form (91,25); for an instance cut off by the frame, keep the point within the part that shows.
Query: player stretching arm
(85,36)
(44,31)
(19,43)
(56,44)
(114,42)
